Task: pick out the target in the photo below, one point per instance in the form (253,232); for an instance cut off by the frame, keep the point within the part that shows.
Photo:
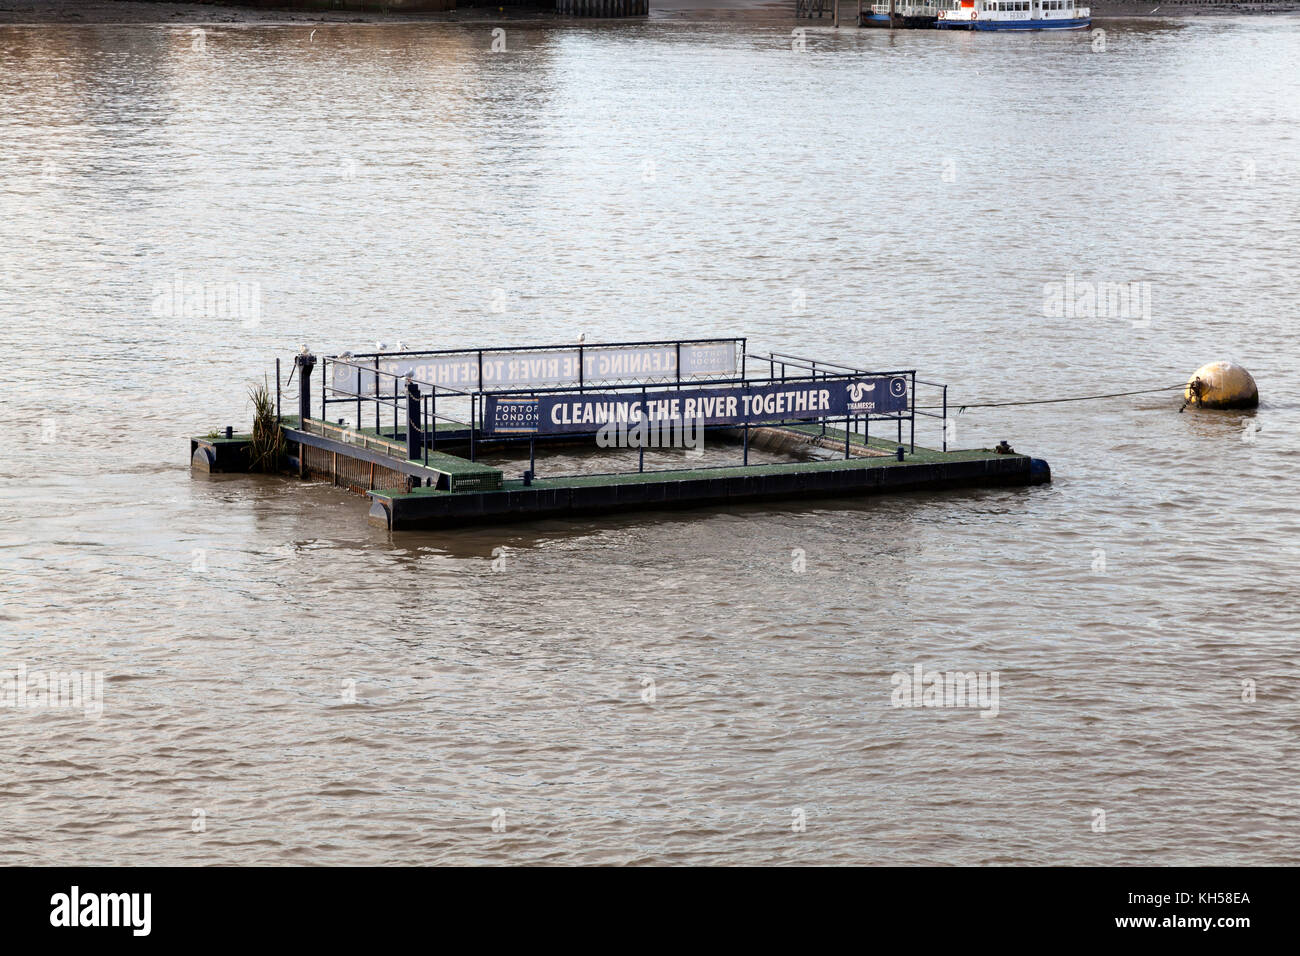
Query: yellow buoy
(1221,385)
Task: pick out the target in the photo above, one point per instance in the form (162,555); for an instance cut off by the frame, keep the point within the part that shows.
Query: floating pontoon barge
(414,426)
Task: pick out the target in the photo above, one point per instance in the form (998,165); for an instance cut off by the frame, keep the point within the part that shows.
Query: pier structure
(606,9)
(411,429)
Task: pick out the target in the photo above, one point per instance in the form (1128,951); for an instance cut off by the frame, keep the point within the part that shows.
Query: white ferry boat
(1012,15)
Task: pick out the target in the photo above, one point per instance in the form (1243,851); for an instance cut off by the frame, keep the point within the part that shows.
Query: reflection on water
(894,201)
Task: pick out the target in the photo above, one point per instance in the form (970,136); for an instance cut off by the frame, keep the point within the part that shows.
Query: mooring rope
(1050,401)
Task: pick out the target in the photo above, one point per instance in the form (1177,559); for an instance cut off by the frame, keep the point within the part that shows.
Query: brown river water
(283,683)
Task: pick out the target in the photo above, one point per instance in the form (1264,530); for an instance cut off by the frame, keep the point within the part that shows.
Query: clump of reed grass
(266,450)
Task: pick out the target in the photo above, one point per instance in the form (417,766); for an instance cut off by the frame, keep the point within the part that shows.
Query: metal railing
(907,9)
(784,360)
(414,404)
(419,406)
(475,360)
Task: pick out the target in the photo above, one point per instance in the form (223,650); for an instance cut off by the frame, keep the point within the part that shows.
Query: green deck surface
(235,439)
(456,466)
(922,456)
(453,465)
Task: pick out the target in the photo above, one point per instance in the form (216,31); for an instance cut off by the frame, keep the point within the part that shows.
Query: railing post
(277,390)
(913,409)
(305,362)
(945,418)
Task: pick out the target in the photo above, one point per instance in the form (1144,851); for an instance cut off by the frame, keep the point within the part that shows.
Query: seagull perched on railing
(380,346)
(401,346)
(582,338)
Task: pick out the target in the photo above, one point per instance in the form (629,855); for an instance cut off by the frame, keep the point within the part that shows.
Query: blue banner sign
(724,405)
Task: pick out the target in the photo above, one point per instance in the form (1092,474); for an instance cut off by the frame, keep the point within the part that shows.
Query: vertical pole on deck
(277,391)
(847,419)
(913,410)
(427,418)
(945,418)
(378,429)
(532,454)
(433,416)
(473,432)
(414,433)
(642,431)
(823,420)
(305,362)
